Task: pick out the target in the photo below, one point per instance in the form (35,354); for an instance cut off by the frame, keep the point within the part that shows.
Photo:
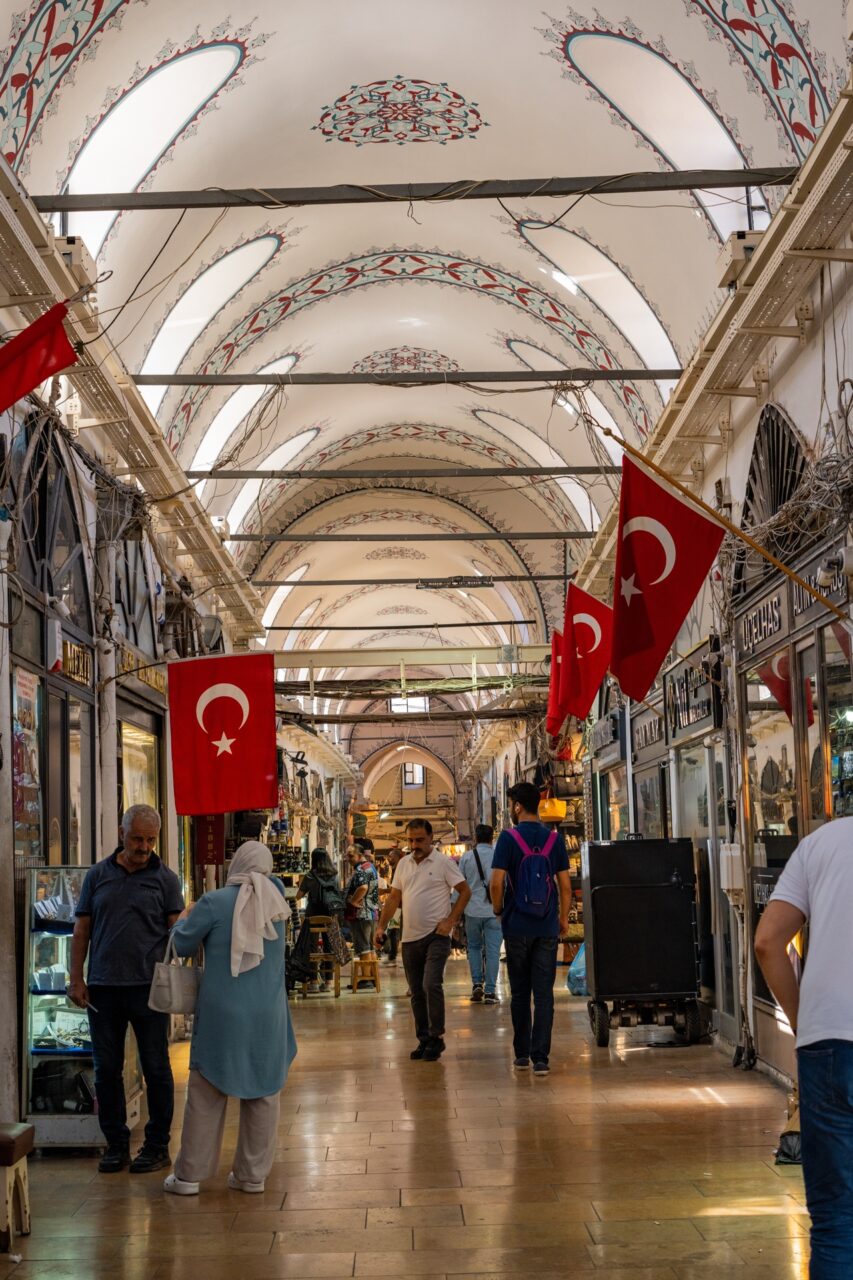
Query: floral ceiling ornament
(406,360)
(395,553)
(775,49)
(401,611)
(47,45)
(400,111)
(386,267)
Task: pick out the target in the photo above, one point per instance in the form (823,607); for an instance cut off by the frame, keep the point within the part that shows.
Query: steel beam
(438,717)
(417,473)
(472,535)
(416,626)
(462,189)
(425,583)
(483,656)
(429,379)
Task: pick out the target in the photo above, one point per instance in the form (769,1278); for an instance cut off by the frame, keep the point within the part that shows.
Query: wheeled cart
(642,944)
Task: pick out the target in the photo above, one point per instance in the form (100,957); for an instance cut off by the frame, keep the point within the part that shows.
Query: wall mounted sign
(607,739)
(765,623)
(139,666)
(692,693)
(77,664)
(648,734)
(210,840)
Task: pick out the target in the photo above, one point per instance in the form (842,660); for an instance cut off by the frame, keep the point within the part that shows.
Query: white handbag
(174,987)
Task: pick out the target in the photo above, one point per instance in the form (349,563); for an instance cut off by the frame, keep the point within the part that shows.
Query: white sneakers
(176,1187)
(251,1188)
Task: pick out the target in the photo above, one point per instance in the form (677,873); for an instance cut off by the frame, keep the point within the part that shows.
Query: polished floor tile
(635,1163)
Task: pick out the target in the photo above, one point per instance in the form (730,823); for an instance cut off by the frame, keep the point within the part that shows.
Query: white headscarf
(259,904)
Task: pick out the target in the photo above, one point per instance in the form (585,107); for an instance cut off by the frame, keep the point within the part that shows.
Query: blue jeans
(531,965)
(826,1128)
(484,935)
(118,1006)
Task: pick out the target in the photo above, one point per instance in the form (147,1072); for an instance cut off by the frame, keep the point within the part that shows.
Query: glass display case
(58,1079)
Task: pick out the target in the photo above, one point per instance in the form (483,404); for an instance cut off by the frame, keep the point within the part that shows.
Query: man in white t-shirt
(423,883)
(817,886)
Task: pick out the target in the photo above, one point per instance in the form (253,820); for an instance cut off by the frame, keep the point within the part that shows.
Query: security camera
(841,562)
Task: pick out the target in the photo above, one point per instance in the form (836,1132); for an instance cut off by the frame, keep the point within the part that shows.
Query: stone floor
(644,1162)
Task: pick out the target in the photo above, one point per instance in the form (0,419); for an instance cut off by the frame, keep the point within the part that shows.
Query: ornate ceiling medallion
(400,111)
(395,553)
(406,360)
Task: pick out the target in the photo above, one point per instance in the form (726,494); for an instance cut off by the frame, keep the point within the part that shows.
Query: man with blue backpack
(531,892)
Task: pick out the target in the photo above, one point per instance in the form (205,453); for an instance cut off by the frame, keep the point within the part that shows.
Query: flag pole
(731,528)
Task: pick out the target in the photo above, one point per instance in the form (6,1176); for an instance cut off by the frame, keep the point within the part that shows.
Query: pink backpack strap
(549,844)
(520,841)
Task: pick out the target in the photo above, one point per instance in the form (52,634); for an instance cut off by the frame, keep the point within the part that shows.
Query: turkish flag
(664,551)
(40,350)
(587,645)
(222,723)
(554,716)
(776,675)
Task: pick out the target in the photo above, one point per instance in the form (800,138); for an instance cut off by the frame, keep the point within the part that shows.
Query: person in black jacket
(321,887)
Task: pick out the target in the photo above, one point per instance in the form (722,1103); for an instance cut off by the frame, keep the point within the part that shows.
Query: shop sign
(138,665)
(647,734)
(692,693)
(764,623)
(803,606)
(77,663)
(210,840)
(608,739)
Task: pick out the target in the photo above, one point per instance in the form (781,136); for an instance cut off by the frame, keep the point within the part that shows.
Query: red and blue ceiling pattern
(400,111)
(406,360)
(47,45)
(398,265)
(775,52)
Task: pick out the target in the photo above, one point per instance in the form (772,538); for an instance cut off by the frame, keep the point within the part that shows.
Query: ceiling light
(386,813)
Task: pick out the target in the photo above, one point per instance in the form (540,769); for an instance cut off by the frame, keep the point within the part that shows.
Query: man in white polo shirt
(817,886)
(423,883)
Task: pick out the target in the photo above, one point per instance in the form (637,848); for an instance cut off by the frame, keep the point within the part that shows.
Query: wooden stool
(16,1143)
(365,971)
(325,967)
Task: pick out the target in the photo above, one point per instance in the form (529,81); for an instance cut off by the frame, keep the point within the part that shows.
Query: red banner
(41,350)
(222,724)
(587,644)
(554,717)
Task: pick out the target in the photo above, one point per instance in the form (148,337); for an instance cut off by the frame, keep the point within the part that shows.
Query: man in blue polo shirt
(127,906)
(531,891)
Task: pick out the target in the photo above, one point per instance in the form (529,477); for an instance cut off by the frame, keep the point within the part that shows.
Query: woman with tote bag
(243,1042)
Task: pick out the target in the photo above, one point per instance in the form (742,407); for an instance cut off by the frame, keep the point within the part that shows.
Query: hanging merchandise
(223,734)
(34,355)
(554,717)
(658,575)
(587,645)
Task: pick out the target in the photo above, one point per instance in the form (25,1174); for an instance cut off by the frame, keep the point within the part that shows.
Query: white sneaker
(251,1188)
(176,1187)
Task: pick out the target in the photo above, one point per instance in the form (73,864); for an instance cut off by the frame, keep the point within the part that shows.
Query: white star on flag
(628,588)
(224,744)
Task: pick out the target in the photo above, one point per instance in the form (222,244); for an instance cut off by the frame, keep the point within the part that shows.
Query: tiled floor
(644,1162)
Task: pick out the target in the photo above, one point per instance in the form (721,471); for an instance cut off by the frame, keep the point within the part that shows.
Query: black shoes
(114,1159)
(477,993)
(492,998)
(148,1159)
(428,1050)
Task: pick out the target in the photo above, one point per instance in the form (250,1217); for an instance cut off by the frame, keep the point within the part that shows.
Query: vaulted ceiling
(143,94)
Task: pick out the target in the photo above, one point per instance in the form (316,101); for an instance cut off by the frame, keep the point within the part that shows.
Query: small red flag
(222,722)
(30,357)
(554,716)
(776,675)
(664,551)
(587,645)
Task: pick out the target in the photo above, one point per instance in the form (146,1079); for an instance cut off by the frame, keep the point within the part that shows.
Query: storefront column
(9,1101)
(629,766)
(674,794)
(107,715)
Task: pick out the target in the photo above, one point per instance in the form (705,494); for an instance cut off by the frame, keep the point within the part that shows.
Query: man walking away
(362,898)
(127,906)
(423,884)
(531,891)
(817,886)
(482,928)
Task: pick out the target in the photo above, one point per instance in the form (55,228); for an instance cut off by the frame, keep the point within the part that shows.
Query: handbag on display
(174,987)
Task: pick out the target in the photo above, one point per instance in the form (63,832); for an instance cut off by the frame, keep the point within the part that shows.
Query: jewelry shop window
(770,747)
(838,660)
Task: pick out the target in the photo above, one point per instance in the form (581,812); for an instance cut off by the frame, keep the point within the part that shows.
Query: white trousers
(204,1126)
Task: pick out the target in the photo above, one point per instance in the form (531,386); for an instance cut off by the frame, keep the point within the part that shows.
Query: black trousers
(531,965)
(118,1007)
(393,943)
(424,961)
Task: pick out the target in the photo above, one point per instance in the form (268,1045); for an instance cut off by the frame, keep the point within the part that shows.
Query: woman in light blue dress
(243,1042)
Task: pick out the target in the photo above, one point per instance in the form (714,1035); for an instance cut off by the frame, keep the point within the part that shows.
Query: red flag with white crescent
(587,645)
(776,676)
(222,727)
(664,552)
(554,717)
(34,354)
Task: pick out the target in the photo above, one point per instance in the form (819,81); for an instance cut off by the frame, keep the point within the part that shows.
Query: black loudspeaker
(640,920)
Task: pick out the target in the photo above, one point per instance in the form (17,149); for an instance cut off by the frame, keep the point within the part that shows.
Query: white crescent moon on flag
(645,524)
(774,666)
(591,622)
(221,691)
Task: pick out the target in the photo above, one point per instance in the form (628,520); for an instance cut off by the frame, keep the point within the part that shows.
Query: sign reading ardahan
(222,717)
